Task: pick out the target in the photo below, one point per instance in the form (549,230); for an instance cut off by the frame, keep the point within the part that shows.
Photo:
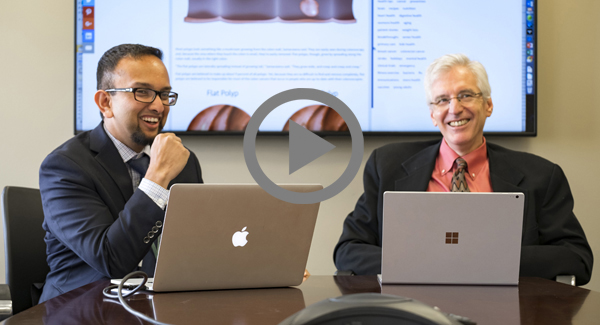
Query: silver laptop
(232,236)
(451,238)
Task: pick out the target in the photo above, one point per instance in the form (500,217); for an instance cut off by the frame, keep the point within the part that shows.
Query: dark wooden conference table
(534,301)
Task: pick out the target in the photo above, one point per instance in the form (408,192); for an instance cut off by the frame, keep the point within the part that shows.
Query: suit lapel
(503,176)
(108,156)
(418,170)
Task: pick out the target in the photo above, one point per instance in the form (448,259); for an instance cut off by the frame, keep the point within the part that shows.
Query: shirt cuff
(157,193)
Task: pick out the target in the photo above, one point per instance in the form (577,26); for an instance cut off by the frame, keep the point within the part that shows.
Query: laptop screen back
(230,236)
(451,238)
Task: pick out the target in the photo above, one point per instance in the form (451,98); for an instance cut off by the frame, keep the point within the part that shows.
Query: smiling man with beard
(459,98)
(104,191)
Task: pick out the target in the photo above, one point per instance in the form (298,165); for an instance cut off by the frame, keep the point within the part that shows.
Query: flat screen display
(226,57)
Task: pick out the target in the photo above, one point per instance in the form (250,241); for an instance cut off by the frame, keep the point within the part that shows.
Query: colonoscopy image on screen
(245,11)
(226,57)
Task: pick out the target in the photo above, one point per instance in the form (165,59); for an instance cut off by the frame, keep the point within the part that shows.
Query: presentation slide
(226,57)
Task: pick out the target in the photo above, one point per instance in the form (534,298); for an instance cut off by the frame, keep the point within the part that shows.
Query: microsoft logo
(451,238)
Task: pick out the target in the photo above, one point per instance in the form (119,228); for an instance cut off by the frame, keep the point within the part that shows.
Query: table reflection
(534,301)
(91,307)
(248,306)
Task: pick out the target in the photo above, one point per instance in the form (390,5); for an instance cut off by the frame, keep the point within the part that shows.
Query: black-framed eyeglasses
(146,95)
(464,98)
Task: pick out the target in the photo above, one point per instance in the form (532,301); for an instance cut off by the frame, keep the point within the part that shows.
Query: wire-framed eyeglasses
(465,99)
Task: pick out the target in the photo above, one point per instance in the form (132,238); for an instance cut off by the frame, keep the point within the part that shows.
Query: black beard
(140,138)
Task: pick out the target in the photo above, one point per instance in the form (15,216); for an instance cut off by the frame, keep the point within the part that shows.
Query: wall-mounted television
(226,57)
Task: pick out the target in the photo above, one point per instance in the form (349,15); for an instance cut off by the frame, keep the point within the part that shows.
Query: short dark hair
(109,60)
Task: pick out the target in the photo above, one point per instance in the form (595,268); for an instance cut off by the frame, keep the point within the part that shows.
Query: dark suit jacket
(95,223)
(553,241)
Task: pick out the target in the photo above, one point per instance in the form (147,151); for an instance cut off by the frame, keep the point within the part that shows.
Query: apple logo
(239,238)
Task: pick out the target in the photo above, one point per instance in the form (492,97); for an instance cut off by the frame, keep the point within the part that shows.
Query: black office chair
(24,246)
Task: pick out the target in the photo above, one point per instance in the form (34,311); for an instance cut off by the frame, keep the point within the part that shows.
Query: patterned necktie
(459,183)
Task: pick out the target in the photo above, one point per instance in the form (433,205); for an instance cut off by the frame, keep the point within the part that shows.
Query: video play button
(305,146)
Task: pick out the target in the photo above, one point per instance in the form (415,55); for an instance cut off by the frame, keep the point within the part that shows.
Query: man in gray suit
(459,97)
(104,191)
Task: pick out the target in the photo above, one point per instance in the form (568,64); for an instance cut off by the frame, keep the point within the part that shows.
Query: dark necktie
(140,165)
(459,183)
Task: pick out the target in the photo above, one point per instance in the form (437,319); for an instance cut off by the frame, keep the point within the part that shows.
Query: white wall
(36,79)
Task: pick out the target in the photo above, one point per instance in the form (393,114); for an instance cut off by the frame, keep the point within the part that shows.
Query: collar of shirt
(126,152)
(475,159)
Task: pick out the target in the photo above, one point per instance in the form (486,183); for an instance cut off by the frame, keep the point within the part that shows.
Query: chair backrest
(24,245)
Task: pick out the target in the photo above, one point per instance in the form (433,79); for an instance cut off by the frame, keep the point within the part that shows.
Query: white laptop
(232,236)
(451,238)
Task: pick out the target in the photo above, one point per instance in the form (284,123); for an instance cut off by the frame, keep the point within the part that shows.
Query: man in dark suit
(104,191)
(459,94)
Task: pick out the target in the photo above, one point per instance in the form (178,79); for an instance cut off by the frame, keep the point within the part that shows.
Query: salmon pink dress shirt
(478,169)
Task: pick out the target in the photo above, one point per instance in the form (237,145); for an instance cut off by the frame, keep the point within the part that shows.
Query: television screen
(226,57)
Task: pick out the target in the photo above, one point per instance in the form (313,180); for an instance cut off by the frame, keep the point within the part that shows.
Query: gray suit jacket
(553,241)
(95,223)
